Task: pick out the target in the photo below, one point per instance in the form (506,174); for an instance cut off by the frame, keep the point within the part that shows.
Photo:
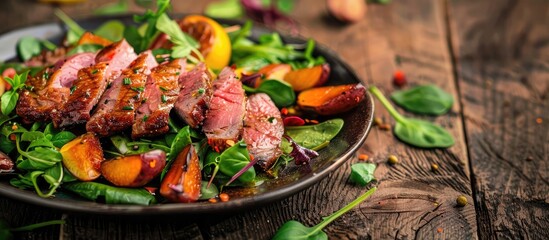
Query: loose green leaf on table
(6,233)
(415,132)
(295,230)
(313,136)
(425,99)
(362,173)
(112,195)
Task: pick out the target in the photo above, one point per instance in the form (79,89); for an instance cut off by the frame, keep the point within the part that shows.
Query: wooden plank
(503,75)
(18,215)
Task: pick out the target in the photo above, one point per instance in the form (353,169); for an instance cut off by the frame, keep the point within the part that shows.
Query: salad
(166,110)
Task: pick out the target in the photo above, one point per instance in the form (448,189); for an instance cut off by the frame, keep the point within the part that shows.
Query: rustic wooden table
(493,56)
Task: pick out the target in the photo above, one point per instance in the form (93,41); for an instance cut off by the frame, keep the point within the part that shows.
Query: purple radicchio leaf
(300,154)
(269,15)
(250,80)
(242,171)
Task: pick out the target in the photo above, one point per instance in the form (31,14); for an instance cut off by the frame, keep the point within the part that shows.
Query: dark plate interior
(291,180)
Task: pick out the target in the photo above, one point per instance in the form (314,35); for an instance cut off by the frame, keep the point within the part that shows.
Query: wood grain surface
(504,83)
(492,56)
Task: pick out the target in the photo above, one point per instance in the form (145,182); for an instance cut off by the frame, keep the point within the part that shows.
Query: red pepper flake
(539,120)
(313,121)
(284,111)
(363,157)
(399,79)
(212,200)
(439,230)
(294,121)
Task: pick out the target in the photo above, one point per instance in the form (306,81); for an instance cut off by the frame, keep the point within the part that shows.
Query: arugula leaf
(184,44)
(362,173)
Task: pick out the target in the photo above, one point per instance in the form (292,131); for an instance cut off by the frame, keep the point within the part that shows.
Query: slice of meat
(194,97)
(161,91)
(263,130)
(49,90)
(116,108)
(92,82)
(6,164)
(223,122)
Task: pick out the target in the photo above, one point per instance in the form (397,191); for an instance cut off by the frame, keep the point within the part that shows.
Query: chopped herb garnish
(109,85)
(145,118)
(163,88)
(144,100)
(138,89)
(163,98)
(135,70)
(127,81)
(94,71)
(127,108)
(271,119)
(201,91)
(46,75)
(73,88)
(177,73)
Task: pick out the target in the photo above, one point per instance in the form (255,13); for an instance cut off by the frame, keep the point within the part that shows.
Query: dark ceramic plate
(291,180)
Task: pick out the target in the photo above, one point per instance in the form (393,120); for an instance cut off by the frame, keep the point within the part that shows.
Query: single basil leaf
(425,99)
(62,138)
(28,47)
(362,173)
(9,100)
(181,140)
(233,159)
(85,48)
(207,192)
(112,30)
(228,9)
(312,136)
(112,195)
(423,134)
(281,93)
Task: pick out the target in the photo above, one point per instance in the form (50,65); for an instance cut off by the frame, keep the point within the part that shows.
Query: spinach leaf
(28,47)
(181,140)
(362,173)
(62,138)
(85,48)
(112,195)
(295,230)
(229,9)
(280,92)
(112,30)
(314,136)
(235,158)
(425,99)
(207,192)
(415,132)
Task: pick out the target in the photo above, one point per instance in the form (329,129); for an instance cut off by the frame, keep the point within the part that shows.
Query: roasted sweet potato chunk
(331,100)
(182,182)
(83,156)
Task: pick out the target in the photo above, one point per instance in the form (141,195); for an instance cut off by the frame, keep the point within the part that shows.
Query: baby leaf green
(313,136)
(425,99)
(415,132)
(113,195)
(362,173)
(293,230)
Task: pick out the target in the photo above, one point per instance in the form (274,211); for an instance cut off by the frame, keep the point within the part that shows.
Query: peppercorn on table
(492,56)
